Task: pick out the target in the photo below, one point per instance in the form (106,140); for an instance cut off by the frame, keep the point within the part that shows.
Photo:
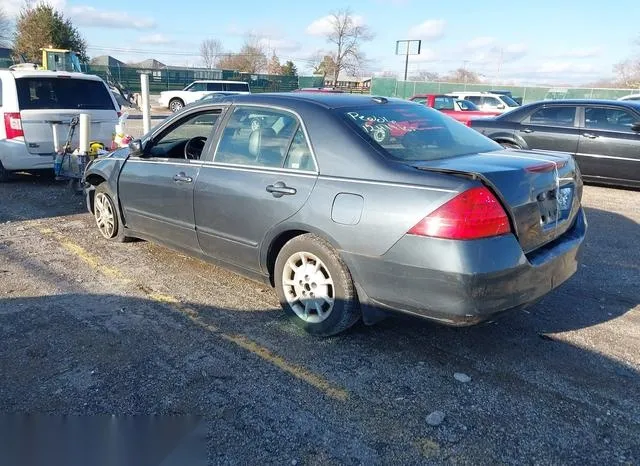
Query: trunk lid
(540,191)
(49,102)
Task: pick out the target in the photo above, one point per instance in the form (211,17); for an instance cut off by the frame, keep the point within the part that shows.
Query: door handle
(527,130)
(589,135)
(182,178)
(279,189)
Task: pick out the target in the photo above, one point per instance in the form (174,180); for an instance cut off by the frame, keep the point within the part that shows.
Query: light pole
(406,48)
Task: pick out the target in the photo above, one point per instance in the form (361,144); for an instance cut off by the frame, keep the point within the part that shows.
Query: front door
(551,128)
(261,174)
(608,147)
(156,188)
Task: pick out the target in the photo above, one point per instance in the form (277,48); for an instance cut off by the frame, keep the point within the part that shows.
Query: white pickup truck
(175,100)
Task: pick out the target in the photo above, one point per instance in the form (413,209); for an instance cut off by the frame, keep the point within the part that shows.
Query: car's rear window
(410,132)
(35,93)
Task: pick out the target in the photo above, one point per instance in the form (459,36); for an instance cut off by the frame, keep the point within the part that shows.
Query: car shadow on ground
(54,198)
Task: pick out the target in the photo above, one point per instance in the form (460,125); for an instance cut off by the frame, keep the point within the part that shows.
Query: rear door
(48,103)
(551,127)
(608,147)
(237,87)
(196,92)
(259,177)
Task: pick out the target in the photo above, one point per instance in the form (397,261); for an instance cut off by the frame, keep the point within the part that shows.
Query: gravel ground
(91,327)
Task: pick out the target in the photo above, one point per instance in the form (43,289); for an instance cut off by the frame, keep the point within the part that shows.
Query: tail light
(468,123)
(473,214)
(13,125)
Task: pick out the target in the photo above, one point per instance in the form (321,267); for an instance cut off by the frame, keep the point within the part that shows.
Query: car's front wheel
(176,105)
(315,287)
(106,215)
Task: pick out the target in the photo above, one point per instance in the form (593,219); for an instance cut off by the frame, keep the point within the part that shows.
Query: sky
(505,41)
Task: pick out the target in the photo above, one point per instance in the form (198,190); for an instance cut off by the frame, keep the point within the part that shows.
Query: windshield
(509,101)
(416,133)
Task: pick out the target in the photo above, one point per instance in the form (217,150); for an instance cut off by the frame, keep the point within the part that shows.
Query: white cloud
(156,39)
(279,45)
(83,15)
(426,55)
(552,67)
(430,29)
(323,26)
(480,42)
(583,52)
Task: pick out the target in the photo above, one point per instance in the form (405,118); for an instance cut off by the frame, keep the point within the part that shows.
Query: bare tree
(347,35)
(423,75)
(5,29)
(210,51)
(628,73)
(251,58)
(463,75)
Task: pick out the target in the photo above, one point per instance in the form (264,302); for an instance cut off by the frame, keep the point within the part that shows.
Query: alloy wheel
(308,287)
(105,216)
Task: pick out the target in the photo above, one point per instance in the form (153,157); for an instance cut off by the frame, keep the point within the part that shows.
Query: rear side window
(63,93)
(473,99)
(236,87)
(554,116)
(444,103)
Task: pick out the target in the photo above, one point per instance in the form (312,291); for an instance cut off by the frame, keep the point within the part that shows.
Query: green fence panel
(310,81)
(391,87)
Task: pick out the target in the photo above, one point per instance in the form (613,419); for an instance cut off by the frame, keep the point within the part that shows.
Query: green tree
(43,26)
(326,67)
(289,69)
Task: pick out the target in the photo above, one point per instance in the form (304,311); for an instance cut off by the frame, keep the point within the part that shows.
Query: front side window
(509,101)
(609,119)
(416,133)
(236,87)
(186,137)
(214,87)
(554,116)
(491,102)
(257,136)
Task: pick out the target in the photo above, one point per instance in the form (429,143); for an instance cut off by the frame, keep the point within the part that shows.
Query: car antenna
(380,100)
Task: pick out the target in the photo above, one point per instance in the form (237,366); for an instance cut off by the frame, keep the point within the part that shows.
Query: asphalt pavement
(89,327)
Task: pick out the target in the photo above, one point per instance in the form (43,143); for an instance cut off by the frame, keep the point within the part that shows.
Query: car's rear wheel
(315,287)
(107,217)
(175,105)
(509,145)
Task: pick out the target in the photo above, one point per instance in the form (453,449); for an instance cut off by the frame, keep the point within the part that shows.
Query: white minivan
(33,103)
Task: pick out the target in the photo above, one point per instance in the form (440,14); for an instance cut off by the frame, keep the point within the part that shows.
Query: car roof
(618,103)
(49,74)
(324,99)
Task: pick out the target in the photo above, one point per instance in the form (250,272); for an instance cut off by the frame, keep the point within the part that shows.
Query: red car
(461,110)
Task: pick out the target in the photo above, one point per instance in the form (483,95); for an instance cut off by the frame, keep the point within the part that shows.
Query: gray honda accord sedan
(350,206)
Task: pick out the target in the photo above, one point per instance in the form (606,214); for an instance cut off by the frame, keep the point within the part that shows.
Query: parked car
(486,101)
(176,100)
(33,103)
(453,107)
(604,136)
(442,224)
(518,100)
(630,97)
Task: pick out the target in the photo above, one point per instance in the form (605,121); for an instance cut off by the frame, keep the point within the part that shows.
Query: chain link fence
(391,87)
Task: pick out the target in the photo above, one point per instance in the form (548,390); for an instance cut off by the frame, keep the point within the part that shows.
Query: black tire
(175,105)
(345,311)
(4,174)
(117,233)
(509,145)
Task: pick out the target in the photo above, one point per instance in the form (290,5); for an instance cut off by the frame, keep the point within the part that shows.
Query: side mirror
(636,127)
(135,148)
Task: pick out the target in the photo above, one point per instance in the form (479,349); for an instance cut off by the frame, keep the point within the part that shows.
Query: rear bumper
(14,156)
(465,282)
